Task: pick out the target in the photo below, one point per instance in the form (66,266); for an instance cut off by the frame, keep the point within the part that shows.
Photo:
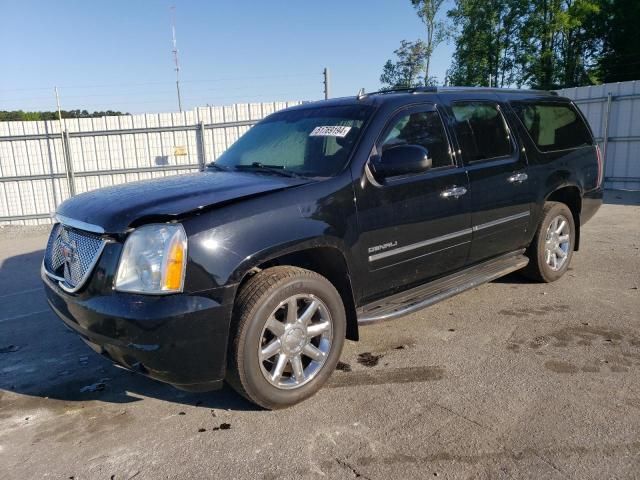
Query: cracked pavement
(510,380)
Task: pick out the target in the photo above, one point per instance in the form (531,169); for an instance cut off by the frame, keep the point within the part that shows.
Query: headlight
(153,260)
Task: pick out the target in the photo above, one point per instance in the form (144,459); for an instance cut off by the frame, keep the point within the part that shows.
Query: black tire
(257,299)
(538,269)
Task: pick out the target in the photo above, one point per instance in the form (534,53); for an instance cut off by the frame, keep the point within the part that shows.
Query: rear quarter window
(553,126)
(481,130)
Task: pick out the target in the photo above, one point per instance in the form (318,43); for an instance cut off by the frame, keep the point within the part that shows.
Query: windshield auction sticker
(330,131)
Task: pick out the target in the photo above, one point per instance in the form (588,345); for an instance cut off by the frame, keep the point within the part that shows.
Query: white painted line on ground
(23,315)
(22,292)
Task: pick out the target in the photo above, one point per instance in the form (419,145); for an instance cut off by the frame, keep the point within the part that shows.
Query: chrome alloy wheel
(557,243)
(295,341)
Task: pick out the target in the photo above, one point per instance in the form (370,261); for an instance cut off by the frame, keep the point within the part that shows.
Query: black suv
(322,218)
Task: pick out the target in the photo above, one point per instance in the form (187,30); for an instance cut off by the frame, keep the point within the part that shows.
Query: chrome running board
(422,296)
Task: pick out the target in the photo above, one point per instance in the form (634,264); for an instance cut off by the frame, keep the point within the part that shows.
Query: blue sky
(116,54)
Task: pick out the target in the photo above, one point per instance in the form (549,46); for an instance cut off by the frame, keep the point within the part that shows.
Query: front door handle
(454,192)
(517,178)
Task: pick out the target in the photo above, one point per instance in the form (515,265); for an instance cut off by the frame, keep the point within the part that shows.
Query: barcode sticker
(330,131)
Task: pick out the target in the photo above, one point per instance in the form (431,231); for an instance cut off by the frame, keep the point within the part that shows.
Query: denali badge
(384,246)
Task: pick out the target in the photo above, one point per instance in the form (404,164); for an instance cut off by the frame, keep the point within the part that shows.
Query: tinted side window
(553,126)
(424,129)
(481,131)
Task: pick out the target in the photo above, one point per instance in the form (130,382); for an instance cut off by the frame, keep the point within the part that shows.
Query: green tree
(436,31)
(487,42)
(541,43)
(580,45)
(19,115)
(562,43)
(405,70)
(620,60)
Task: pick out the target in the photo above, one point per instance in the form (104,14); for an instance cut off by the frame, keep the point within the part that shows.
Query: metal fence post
(202,153)
(68,163)
(606,130)
(52,136)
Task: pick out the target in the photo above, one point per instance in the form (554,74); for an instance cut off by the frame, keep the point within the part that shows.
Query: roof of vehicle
(399,96)
(414,90)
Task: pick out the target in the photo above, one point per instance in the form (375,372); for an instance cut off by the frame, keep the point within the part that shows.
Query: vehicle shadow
(514,278)
(40,357)
(622,197)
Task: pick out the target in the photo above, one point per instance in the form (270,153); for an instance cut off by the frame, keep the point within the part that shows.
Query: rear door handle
(517,178)
(454,192)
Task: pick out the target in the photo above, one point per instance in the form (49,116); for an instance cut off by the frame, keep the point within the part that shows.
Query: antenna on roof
(361,93)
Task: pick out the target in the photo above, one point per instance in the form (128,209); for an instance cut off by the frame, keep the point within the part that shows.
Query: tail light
(600,166)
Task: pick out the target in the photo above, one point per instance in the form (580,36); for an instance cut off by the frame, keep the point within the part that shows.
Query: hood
(117,208)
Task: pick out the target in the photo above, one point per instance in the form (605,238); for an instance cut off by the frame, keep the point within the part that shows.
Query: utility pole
(59,111)
(327,83)
(175,56)
(66,151)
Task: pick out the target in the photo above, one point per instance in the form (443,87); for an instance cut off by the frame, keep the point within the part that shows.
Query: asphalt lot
(510,380)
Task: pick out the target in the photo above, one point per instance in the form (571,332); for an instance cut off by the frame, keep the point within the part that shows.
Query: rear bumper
(178,339)
(591,202)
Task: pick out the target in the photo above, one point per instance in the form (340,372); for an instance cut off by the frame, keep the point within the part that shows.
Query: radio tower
(175,55)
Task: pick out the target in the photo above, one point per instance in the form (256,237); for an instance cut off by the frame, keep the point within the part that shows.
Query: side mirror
(403,160)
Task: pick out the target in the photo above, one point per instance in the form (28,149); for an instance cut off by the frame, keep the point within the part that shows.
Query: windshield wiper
(217,167)
(276,169)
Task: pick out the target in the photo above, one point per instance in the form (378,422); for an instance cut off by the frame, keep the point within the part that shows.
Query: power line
(116,99)
(202,99)
(145,84)
(116,95)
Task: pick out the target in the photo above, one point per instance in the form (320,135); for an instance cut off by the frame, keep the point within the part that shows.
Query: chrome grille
(71,255)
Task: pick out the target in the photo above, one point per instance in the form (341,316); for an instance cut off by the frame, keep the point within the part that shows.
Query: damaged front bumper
(178,339)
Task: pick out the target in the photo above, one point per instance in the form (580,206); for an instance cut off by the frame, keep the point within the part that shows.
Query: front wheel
(551,250)
(290,328)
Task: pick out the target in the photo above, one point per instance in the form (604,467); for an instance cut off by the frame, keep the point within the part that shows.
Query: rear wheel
(290,329)
(551,250)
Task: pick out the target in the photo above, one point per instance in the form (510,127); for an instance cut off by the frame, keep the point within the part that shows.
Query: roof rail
(496,90)
(361,94)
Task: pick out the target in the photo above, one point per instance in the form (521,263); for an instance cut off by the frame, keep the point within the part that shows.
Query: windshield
(314,142)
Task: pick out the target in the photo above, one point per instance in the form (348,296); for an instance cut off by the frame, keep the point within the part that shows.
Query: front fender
(250,233)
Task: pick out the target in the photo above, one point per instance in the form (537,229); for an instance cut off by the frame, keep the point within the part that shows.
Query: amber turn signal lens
(174,266)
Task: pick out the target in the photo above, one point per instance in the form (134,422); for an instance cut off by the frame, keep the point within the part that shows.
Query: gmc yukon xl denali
(320,219)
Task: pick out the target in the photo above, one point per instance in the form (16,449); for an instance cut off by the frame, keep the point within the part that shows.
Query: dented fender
(225,244)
